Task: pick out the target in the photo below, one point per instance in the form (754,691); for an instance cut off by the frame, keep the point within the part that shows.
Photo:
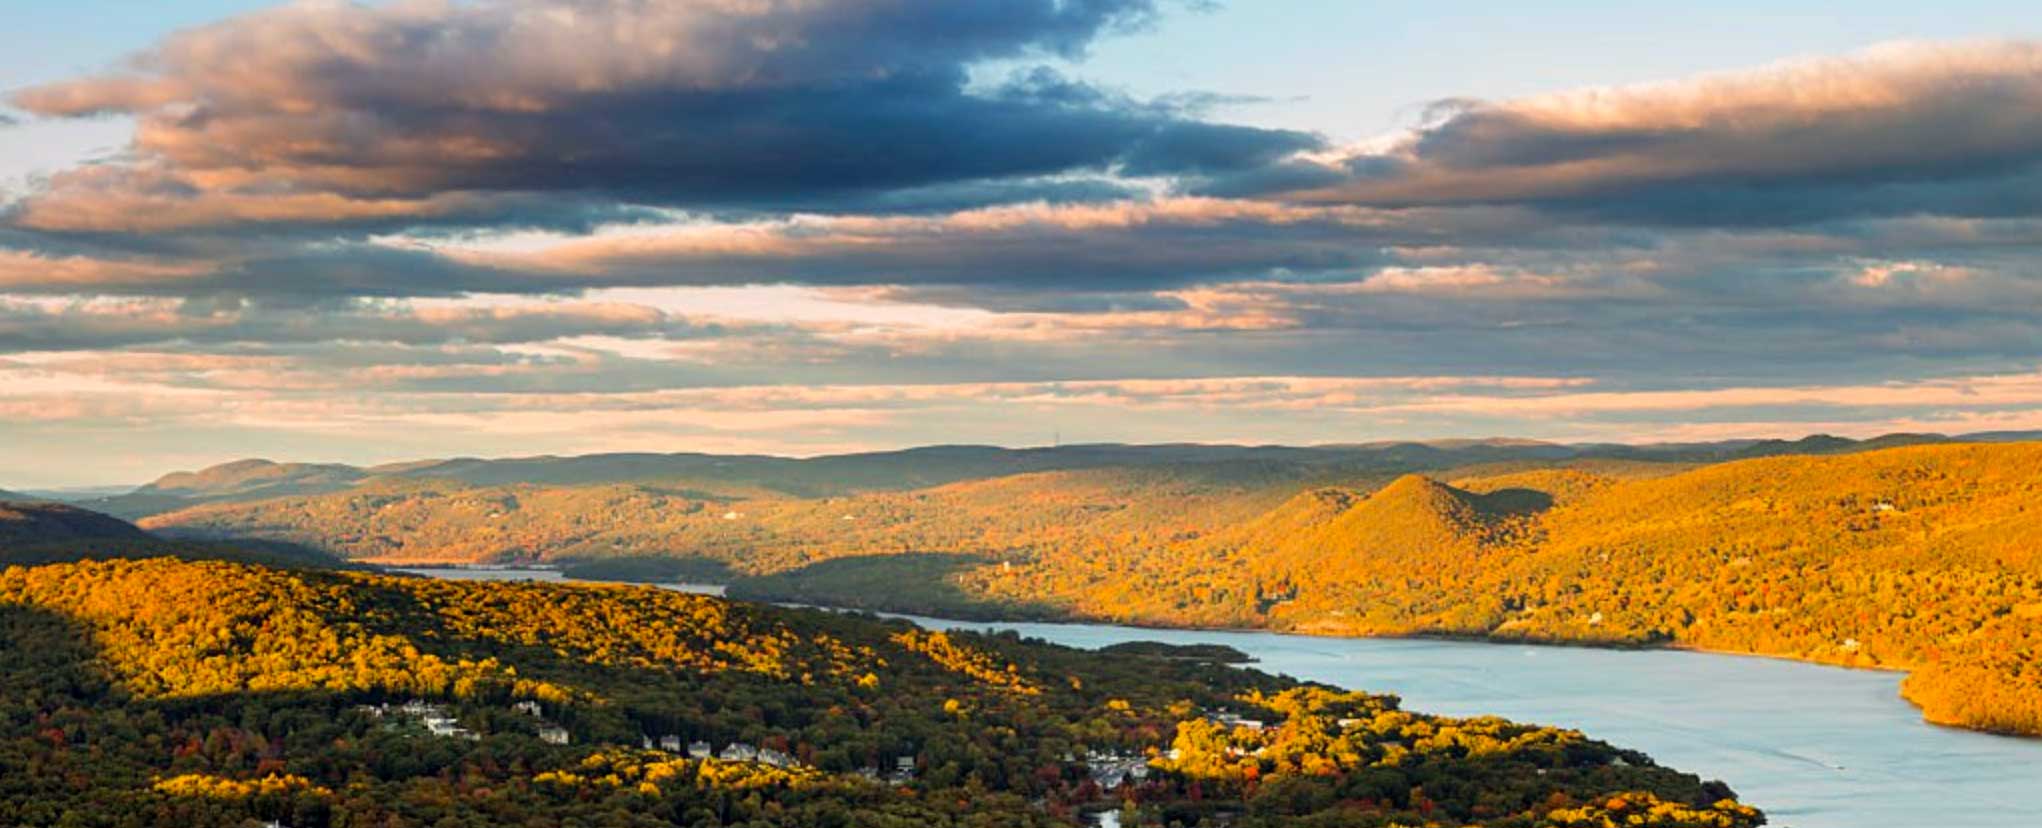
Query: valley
(1910,553)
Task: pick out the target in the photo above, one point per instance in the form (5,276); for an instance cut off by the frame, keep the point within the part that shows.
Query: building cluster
(549,732)
(1230,719)
(438,721)
(902,773)
(733,752)
(434,717)
(1112,769)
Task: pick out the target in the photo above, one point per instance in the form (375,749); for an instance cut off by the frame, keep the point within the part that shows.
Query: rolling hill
(1925,558)
(761,514)
(40,532)
(755,531)
(35,523)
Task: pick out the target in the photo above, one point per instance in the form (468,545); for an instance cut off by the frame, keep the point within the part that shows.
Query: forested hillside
(1927,559)
(160,692)
(755,531)
(27,523)
(34,532)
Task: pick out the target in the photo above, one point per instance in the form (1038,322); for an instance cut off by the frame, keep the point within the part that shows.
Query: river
(1815,746)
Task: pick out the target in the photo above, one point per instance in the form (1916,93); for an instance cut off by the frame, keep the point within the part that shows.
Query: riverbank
(985,613)
(1819,745)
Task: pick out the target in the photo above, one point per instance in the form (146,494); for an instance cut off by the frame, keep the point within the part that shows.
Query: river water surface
(1815,746)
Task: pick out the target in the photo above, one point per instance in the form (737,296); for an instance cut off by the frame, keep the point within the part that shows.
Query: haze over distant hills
(256,479)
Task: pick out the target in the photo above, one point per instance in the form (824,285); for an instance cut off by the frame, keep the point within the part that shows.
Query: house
(775,758)
(554,735)
(529,708)
(644,741)
(670,743)
(698,750)
(1108,778)
(1112,769)
(443,725)
(739,752)
(903,771)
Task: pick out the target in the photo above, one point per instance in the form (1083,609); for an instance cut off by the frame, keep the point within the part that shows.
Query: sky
(379,231)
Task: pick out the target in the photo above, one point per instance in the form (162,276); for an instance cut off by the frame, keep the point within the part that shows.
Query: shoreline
(995,619)
(1080,620)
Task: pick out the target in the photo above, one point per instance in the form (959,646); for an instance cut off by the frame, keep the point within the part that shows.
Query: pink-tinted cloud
(388,110)
(1888,126)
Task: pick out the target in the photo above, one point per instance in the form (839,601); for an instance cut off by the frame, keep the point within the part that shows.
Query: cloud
(155,391)
(1953,129)
(336,111)
(1091,246)
(1986,392)
(105,323)
(29,270)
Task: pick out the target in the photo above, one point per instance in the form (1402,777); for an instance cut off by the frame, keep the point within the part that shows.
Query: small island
(1199,653)
(648,570)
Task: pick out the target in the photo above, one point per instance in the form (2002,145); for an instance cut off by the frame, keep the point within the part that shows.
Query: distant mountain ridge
(252,476)
(905,469)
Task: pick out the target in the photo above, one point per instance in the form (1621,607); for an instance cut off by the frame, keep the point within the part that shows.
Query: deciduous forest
(166,692)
